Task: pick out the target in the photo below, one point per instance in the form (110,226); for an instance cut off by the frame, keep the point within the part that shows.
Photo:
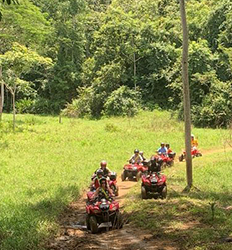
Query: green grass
(188,219)
(45,165)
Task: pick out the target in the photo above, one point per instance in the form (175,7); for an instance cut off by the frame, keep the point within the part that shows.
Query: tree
(185,79)
(2,93)
(8,2)
(14,64)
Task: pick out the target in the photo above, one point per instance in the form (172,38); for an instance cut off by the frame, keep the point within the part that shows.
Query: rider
(162,150)
(95,183)
(103,166)
(103,191)
(136,157)
(194,142)
(169,151)
(155,165)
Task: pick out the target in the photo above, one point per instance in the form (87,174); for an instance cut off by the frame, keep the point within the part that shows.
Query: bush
(123,101)
(81,107)
(216,108)
(24,106)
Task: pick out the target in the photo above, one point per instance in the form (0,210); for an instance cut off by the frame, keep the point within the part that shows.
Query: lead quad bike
(102,213)
(154,186)
(133,171)
(194,152)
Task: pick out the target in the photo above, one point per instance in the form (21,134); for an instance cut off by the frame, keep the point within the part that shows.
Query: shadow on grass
(186,219)
(27,225)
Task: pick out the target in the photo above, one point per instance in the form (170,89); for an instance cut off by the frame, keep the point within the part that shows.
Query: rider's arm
(131,159)
(110,191)
(96,193)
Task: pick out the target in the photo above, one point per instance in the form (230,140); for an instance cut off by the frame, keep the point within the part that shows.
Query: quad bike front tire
(93,224)
(164,192)
(198,154)
(181,157)
(138,176)
(123,176)
(143,192)
(118,220)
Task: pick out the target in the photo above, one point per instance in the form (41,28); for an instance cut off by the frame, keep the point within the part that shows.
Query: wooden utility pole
(185,79)
(2,94)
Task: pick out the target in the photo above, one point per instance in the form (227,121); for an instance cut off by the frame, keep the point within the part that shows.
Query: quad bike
(113,183)
(102,213)
(133,171)
(165,160)
(194,152)
(153,185)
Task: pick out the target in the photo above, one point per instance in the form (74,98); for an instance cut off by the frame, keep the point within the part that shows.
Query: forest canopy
(115,57)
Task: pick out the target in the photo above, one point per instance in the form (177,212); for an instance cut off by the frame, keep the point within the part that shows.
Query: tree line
(101,57)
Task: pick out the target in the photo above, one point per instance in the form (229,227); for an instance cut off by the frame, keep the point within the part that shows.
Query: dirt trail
(72,236)
(128,238)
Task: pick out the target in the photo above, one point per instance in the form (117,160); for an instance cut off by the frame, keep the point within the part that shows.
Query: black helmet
(102,179)
(167,145)
(136,151)
(99,172)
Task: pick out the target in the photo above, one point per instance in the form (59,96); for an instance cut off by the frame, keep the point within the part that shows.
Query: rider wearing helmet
(136,158)
(143,157)
(194,142)
(162,150)
(103,191)
(95,183)
(170,153)
(103,166)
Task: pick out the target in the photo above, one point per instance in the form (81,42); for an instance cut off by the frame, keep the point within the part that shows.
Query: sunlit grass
(44,165)
(195,220)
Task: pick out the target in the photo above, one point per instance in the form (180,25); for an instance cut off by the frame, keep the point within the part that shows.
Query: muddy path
(72,235)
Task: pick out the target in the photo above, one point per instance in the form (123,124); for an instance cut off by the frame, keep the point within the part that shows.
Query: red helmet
(103,163)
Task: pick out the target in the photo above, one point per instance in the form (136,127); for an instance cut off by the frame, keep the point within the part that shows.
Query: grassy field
(44,165)
(199,220)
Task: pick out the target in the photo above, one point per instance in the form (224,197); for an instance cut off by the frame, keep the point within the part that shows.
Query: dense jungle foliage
(102,57)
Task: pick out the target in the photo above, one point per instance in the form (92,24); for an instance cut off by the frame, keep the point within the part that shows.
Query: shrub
(24,106)
(216,108)
(81,107)
(123,101)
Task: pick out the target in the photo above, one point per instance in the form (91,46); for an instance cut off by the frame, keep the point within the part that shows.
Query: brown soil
(72,236)
(128,238)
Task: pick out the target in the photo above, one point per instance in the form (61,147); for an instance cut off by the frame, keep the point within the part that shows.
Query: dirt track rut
(71,236)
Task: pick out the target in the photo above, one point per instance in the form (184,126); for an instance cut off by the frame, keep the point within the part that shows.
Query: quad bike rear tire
(163,166)
(116,191)
(138,176)
(164,192)
(93,224)
(181,157)
(171,163)
(87,221)
(143,192)
(123,176)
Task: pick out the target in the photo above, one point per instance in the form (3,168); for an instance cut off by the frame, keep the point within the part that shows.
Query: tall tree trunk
(135,83)
(134,64)
(185,79)
(2,94)
(14,112)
